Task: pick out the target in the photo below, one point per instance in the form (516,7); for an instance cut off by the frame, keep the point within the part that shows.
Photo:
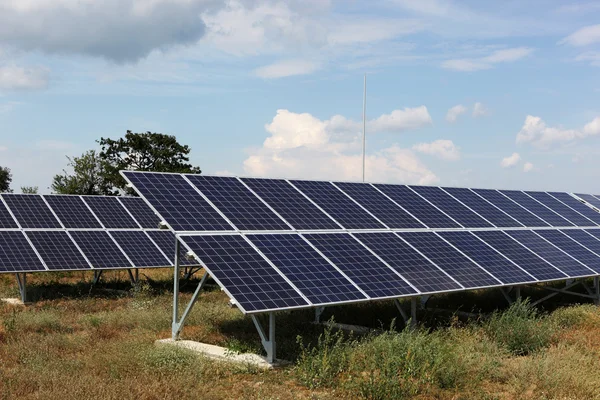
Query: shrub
(576,316)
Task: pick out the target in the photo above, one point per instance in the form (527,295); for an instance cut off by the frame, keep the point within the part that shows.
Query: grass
(79,342)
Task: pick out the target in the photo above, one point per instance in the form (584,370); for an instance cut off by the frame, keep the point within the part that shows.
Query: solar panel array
(277,244)
(64,232)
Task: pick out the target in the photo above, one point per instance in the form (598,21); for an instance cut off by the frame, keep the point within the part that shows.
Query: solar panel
(316,278)
(72,212)
(239,205)
(560,208)
(536,208)
(414,204)
(484,255)
(593,232)
(482,207)
(254,284)
(177,202)
(510,207)
(140,249)
(452,207)
(165,240)
(415,268)
(338,205)
(520,255)
(143,214)
(575,242)
(31,211)
(366,270)
(290,204)
(110,212)
(16,254)
(6,220)
(463,270)
(58,250)
(577,205)
(100,249)
(589,199)
(550,253)
(379,205)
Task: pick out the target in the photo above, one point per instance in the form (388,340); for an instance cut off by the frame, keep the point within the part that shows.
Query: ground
(79,341)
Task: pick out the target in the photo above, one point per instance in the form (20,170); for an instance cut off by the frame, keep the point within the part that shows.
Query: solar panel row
(263,272)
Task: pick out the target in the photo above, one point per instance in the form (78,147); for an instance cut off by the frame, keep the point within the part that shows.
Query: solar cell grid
(16,254)
(575,242)
(58,250)
(589,199)
(413,203)
(366,270)
(536,208)
(31,211)
(594,232)
(178,202)
(6,220)
(482,207)
(510,207)
(486,256)
(142,213)
(165,240)
(140,249)
(72,212)
(237,203)
(338,205)
(576,205)
(290,204)
(110,212)
(452,207)
(100,249)
(379,205)
(316,278)
(561,209)
(251,281)
(415,268)
(463,270)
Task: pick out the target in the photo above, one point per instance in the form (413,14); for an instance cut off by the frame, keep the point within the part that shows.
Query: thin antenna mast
(364,126)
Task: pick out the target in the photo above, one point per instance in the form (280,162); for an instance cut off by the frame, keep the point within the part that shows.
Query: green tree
(29,189)
(5,180)
(143,152)
(87,178)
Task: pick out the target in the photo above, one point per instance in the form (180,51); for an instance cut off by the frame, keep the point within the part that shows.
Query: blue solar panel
(414,204)
(415,268)
(110,212)
(6,220)
(510,207)
(589,199)
(241,270)
(593,232)
(577,243)
(550,253)
(463,270)
(237,203)
(452,207)
(142,213)
(165,240)
(536,208)
(316,278)
(366,270)
(140,249)
(379,205)
(560,208)
(520,255)
(290,204)
(16,254)
(576,205)
(178,202)
(72,212)
(482,207)
(484,255)
(338,205)
(31,211)
(100,249)
(58,250)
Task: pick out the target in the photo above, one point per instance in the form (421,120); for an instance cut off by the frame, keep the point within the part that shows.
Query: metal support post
(424,299)
(413,311)
(318,313)
(268,343)
(97,276)
(134,277)
(178,325)
(506,296)
(403,313)
(597,291)
(22,282)
(175,329)
(518,293)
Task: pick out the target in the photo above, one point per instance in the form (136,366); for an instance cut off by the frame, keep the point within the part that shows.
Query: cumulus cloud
(527,167)
(287,68)
(401,120)
(583,37)
(479,110)
(510,161)
(442,148)
(477,64)
(536,132)
(13,77)
(303,146)
(593,57)
(454,112)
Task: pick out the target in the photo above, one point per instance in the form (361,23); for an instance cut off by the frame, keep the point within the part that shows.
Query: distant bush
(570,317)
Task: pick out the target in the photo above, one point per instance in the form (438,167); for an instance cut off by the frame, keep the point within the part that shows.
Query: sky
(470,93)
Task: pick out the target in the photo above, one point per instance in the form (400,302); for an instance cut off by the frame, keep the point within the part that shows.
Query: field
(82,342)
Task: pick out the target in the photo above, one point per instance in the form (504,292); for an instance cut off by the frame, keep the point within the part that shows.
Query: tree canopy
(88,176)
(29,189)
(5,180)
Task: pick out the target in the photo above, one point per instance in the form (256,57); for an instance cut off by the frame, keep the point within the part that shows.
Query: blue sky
(481,94)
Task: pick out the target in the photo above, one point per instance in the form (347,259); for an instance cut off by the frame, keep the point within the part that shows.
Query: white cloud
(510,161)
(593,127)
(454,112)
(287,68)
(477,64)
(8,106)
(527,167)
(19,78)
(592,56)
(479,110)
(536,132)
(583,37)
(401,120)
(441,148)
